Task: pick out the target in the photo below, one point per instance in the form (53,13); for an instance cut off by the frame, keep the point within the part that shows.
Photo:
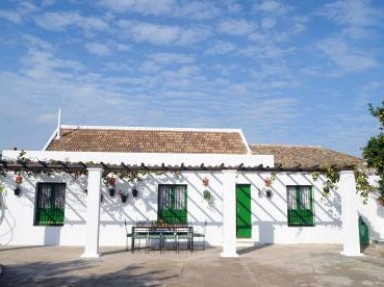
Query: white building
(259,193)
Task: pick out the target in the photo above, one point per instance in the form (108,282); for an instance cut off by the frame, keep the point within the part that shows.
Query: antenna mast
(58,124)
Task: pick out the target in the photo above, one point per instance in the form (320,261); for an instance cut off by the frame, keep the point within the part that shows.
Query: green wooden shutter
(50,204)
(300,206)
(172,204)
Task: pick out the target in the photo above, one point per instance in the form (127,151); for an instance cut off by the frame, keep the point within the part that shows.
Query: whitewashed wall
(269,215)
(372,213)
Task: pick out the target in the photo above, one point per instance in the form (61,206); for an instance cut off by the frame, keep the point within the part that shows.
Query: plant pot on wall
(124,198)
(17,191)
(135,192)
(111,191)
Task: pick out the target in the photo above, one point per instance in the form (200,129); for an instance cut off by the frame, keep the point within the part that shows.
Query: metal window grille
(172,208)
(300,206)
(50,203)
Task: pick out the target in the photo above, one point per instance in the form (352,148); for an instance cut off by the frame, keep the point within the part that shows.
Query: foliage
(362,184)
(315,175)
(373,152)
(333,178)
(208,197)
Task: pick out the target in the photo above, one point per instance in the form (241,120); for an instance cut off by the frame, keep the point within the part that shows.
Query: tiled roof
(306,156)
(91,139)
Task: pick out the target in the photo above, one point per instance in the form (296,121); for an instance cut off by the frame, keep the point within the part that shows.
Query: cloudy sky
(287,72)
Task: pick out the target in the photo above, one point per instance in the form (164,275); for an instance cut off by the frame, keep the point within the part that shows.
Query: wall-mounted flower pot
(17,191)
(111,191)
(268,193)
(124,198)
(135,192)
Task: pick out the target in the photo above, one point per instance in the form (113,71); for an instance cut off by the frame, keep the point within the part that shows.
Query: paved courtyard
(274,265)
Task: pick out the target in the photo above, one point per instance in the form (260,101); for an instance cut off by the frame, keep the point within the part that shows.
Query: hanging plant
(268,181)
(135,192)
(205,181)
(315,175)
(111,191)
(208,197)
(380,200)
(123,196)
(333,178)
(17,191)
(362,184)
(19,179)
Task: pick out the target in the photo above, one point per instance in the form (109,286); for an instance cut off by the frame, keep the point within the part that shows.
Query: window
(300,206)
(50,200)
(172,204)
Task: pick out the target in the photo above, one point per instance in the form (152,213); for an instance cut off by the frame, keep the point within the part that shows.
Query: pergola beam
(37,166)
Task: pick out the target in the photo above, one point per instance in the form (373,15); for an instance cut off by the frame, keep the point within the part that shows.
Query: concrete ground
(274,265)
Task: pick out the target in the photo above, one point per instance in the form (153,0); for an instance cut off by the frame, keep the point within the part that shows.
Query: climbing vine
(373,152)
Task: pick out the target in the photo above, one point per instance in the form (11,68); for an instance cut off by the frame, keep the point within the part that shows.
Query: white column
(350,215)
(229,214)
(91,244)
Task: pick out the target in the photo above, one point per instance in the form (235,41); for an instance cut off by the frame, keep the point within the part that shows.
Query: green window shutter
(300,206)
(50,203)
(172,203)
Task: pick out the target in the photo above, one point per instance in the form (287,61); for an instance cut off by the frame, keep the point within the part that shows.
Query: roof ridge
(288,145)
(126,128)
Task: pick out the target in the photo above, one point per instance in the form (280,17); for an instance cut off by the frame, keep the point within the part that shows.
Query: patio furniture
(128,235)
(140,233)
(185,233)
(200,235)
(156,237)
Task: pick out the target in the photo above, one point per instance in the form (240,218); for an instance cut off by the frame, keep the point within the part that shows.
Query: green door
(363,232)
(243,211)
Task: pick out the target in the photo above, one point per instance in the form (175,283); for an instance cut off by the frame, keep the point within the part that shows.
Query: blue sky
(286,72)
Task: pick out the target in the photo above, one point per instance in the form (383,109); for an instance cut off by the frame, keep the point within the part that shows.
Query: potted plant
(124,196)
(135,192)
(111,182)
(380,200)
(18,179)
(208,197)
(111,191)
(17,191)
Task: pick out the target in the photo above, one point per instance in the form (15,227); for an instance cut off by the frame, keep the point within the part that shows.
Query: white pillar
(92,227)
(229,214)
(350,215)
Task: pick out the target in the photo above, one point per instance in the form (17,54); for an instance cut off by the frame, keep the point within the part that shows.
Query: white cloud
(268,23)
(269,6)
(357,16)
(141,6)
(197,10)
(56,21)
(11,16)
(98,49)
(236,27)
(149,67)
(345,57)
(171,58)
(221,47)
(20,13)
(163,34)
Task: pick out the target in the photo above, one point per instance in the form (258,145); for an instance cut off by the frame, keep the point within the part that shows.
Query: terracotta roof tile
(306,156)
(149,141)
